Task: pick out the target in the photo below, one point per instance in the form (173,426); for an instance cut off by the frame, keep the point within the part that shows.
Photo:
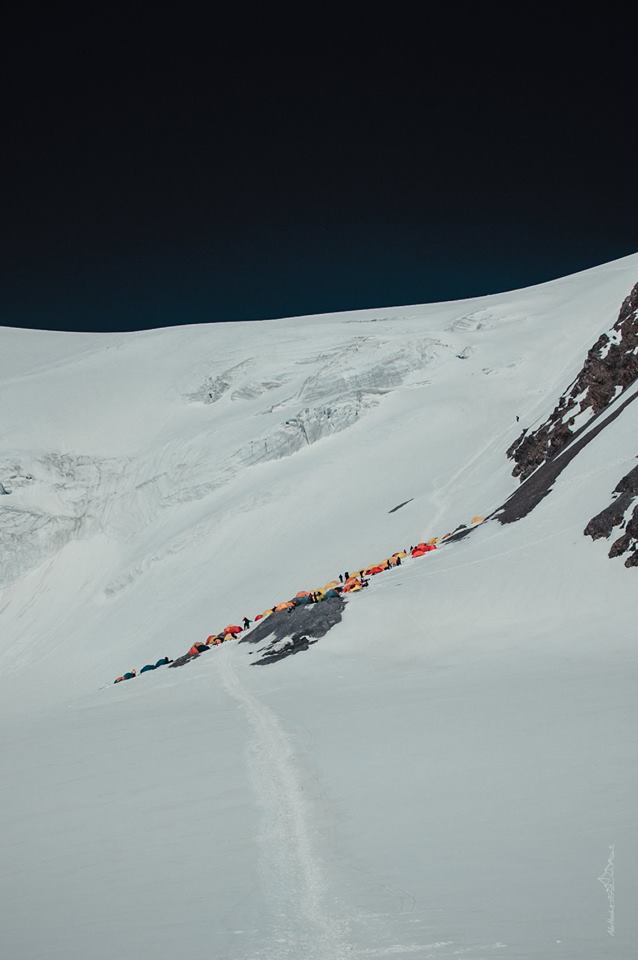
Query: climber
(247,623)
(397,562)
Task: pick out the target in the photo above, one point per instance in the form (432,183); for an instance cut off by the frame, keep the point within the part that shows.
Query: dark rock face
(399,505)
(624,494)
(313,620)
(609,368)
(540,484)
(296,644)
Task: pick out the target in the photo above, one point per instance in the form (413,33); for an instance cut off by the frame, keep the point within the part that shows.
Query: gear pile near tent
(352,583)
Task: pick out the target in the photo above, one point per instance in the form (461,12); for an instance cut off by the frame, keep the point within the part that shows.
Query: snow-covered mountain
(451,767)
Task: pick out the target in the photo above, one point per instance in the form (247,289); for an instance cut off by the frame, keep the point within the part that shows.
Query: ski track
(291,870)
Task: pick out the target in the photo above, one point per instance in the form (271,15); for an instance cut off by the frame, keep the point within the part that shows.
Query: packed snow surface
(446,773)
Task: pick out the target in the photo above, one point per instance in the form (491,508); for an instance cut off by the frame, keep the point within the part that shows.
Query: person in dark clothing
(398,563)
(346,576)
(340,578)
(247,623)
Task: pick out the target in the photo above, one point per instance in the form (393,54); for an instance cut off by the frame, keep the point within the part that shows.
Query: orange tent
(355,585)
(211,639)
(476,520)
(233,628)
(303,593)
(433,541)
(284,606)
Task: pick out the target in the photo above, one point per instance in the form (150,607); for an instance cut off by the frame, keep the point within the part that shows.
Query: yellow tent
(432,541)
(477,519)
(330,586)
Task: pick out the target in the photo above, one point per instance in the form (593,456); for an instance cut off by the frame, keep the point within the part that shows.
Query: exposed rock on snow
(296,644)
(312,620)
(614,515)
(399,505)
(610,367)
(537,487)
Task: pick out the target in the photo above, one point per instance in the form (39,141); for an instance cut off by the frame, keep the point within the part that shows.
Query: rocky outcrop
(609,368)
(291,631)
(614,515)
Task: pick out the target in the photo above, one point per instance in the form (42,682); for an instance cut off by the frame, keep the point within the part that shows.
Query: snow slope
(444,772)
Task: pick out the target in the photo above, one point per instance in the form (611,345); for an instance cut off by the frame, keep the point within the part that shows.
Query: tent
(476,520)
(331,585)
(302,601)
(302,593)
(233,628)
(330,595)
(422,548)
(286,605)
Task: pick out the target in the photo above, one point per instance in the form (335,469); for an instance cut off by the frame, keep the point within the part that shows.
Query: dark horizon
(208,196)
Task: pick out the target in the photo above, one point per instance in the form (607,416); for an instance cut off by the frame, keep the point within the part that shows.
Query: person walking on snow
(247,623)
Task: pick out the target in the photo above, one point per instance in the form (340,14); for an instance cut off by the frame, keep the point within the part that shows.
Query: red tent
(233,628)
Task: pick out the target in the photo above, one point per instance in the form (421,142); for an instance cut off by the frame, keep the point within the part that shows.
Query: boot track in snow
(292,871)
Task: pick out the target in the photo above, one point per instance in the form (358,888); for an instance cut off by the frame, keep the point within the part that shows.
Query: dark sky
(139,194)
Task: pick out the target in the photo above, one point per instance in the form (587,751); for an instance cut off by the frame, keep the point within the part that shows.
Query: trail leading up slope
(291,868)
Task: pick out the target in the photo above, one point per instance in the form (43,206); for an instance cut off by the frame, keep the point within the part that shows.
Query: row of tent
(352,583)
